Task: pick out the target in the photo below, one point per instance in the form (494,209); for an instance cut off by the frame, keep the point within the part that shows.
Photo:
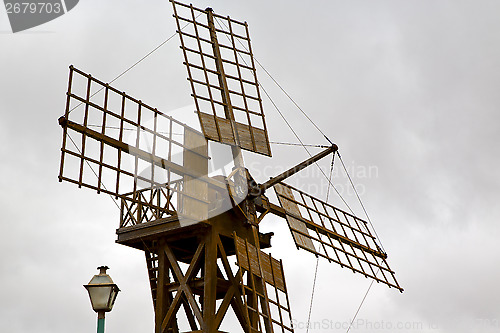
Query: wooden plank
(208,122)
(265,262)
(210,127)
(253,258)
(195,189)
(286,199)
(261,141)
(247,256)
(279,275)
(241,253)
(272,271)
(245,137)
(226,131)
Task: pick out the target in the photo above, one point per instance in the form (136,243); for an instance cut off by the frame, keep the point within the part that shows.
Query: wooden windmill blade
(263,286)
(116,144)
(334,234)
(223,79)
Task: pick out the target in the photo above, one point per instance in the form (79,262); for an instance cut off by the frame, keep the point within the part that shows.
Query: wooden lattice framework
(334,234)
(221,71)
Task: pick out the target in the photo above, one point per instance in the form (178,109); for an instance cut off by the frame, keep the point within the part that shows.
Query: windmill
(191,225)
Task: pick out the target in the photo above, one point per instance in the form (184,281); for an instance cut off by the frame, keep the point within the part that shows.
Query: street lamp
(102,292)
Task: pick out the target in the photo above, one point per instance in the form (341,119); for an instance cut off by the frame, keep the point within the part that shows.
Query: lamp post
(102,292)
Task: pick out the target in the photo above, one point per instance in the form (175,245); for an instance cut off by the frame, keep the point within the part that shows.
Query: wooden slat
(247,256)
(241,253)
(278,275)
(208,122)
(266,268)
(253,258)
(261,141)
(272,271)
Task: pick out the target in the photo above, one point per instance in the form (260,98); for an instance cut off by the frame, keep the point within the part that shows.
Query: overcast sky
(409,90)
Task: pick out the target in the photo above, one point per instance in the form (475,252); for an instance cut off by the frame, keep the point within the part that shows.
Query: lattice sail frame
(119,140)
(334,234)
(223,79)
(264,291)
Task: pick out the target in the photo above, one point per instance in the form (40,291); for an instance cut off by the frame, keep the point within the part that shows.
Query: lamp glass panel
(114,293)
(99,296)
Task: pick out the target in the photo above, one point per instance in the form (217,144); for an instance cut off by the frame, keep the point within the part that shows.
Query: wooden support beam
(275,180)
(163,298)
(210,285)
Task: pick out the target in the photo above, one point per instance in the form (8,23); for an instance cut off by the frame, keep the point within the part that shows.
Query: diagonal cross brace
(184,289)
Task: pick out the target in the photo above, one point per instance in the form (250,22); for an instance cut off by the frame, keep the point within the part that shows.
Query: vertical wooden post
(161,292)
(210,283)
(163,297)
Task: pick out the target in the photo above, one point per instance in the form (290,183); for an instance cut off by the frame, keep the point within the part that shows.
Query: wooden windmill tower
(188,224)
